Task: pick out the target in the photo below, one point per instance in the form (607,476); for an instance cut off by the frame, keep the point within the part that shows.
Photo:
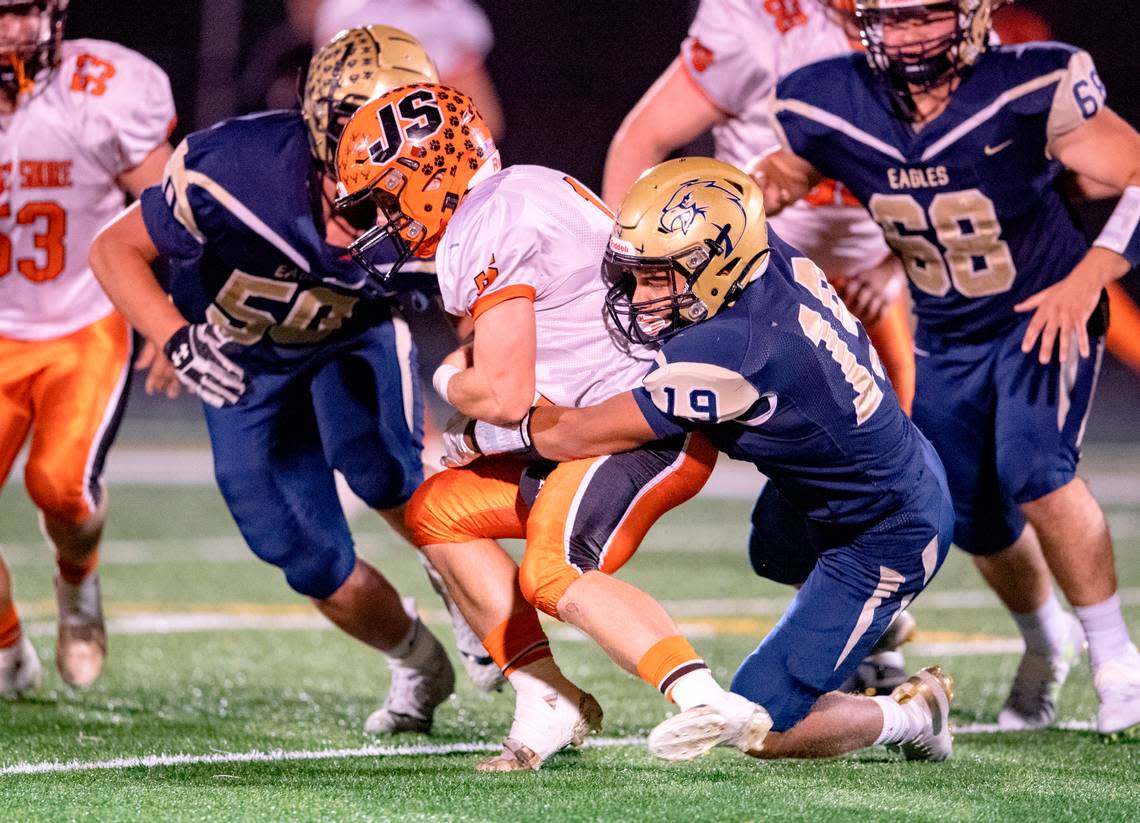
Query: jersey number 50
(977,261)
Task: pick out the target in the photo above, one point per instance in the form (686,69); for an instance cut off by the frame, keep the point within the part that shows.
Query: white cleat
(480,667)
(543,725)
(735,721)
(420,682)
(81,638)
(1118,688)
(1032,701)
(20,670)
(884,669)
(929,692)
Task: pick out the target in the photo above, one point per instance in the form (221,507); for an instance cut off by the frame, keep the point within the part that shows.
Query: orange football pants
(589,515)
(69,392)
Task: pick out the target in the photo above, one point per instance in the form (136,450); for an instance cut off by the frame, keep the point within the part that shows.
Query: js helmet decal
(414,152)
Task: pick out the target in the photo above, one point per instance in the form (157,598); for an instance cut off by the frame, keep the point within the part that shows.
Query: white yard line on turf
(279,756)
(154,623)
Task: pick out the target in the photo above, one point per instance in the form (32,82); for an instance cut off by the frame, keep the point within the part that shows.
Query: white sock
(1045,630)
(404,649)
(898,725)
(697,688)
(540,678)
(1105,630)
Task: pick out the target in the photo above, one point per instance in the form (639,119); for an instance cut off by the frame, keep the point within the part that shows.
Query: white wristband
(442,378)
(1121,233)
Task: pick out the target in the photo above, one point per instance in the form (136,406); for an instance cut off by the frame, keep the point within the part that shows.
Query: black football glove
(195,350)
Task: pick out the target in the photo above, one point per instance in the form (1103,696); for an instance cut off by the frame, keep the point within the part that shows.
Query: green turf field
(211,655)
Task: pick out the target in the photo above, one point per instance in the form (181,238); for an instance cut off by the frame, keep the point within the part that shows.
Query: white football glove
(456,451)
(195,351)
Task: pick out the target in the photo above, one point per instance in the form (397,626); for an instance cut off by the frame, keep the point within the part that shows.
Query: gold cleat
(931,690)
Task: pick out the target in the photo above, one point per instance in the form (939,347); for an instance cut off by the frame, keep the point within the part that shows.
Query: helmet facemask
(26,63)
(923,66)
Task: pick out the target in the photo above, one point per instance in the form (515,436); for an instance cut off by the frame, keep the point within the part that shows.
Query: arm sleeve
(129,105)
(696,379)
(1080,95)
(723,57)
(492,257)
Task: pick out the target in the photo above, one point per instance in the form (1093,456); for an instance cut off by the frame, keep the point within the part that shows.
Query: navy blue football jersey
(969,202)
(787,379)
(238,219)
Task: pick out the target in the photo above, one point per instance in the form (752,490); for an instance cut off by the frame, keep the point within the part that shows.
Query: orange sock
(518,641)
(1124,330)
(893,341)
(9,627)
(667,661)
(76,572)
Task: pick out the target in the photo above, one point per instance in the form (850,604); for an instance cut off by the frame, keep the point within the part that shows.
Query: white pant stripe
(889,582)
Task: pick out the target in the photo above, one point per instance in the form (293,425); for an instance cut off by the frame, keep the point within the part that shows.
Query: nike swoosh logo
(992,150)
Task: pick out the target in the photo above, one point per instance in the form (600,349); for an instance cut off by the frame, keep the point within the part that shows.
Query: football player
(955,146)
(82,122)
(518,252)
(761,356)
(722,79)
(299,374)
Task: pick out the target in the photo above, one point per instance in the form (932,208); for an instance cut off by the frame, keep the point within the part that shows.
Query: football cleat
(1118,688)
(735,721)
(884,669)
(81,638)
(1032,701)
(930,693)
(20,670)
(544,724)
(420,682)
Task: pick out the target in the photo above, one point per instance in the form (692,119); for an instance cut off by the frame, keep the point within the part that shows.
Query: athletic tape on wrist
(441,379)
(491,439)
(1121,233)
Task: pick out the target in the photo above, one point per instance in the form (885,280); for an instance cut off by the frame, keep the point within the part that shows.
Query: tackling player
(82,122)
(721,81)
(299,374)
(759,354)
(955,146)
(518,252)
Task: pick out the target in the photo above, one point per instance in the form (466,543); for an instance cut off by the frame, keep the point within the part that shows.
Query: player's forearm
(123,269)
(502,399)
(671,114)
(632,151)
(563,434)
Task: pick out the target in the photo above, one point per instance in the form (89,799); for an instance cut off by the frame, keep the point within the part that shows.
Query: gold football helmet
(25,63)
(355,66)
(696,217)
(930,63)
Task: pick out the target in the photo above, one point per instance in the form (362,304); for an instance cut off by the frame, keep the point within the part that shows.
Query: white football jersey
(103,110)
(735,53)
(536,233)
(451,31)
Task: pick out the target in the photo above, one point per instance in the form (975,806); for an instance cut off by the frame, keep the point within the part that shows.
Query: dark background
(567,72)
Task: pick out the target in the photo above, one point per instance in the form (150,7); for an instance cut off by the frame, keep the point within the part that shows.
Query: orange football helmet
(414,152)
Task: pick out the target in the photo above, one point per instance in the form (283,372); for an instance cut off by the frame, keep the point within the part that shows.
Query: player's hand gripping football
(1061,312)
(195,351)
(457,443)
